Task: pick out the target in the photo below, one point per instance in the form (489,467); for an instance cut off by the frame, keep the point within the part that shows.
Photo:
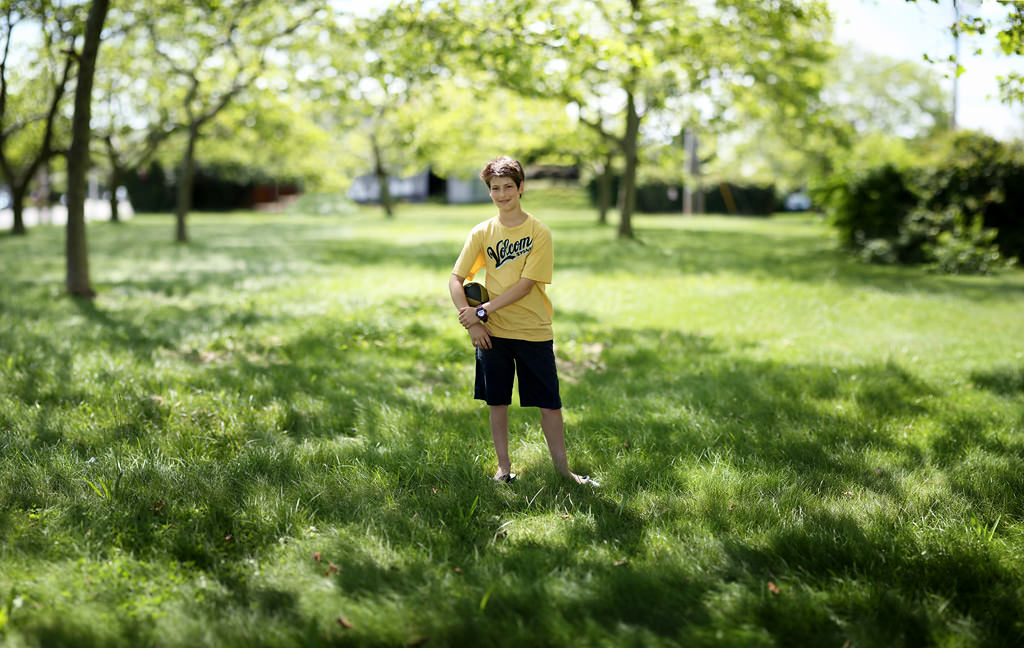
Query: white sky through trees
(907,31)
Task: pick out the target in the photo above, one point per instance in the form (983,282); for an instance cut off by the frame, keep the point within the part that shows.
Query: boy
(512,332)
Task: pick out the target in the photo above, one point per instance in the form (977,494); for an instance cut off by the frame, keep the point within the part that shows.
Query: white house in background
(462,191)
(413,188)
(416,188)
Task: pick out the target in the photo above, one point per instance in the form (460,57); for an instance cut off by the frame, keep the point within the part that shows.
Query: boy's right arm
(478,332)
(457,292)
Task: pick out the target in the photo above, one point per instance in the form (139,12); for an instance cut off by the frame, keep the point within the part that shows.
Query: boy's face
(505,193)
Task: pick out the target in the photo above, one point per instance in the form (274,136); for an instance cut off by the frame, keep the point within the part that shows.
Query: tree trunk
(956,66)
(113,181)
(691,189)
(19,186)
(629,173)
(385,193)
(184,203)
(382,180)
(45,214)
(78,156)
(18,209)
(605,189)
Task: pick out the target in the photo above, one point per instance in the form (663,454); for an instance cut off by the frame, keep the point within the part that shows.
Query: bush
(966,247)
(752,200)
(213,189)
(877,250)
(946,241)
(663,198)
(919,229)
(150,191)
(962,211)
(872,205)
(658,198)
(981,175)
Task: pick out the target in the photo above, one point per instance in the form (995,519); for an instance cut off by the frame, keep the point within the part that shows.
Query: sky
(906,30)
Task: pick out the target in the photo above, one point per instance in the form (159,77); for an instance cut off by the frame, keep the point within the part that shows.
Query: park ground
(265,437)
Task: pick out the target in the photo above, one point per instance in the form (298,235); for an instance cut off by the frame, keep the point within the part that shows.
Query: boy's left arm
(518,290)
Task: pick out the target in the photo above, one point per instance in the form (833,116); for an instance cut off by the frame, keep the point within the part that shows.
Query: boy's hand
(480,335)
(467,317)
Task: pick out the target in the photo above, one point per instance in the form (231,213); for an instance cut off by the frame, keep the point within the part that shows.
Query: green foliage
(869,107)
(875,93)
(965,247)
(149,190)
(1009,30)
(958,208)
(872,204)
(636,73)
(36,74)
(268,135)
(981,175)
(238,444)
(722,198)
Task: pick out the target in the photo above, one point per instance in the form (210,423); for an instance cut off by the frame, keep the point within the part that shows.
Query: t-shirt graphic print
(506,250)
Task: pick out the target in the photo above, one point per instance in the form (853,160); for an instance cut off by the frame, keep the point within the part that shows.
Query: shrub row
(961,209)
(154,190)
(726,198)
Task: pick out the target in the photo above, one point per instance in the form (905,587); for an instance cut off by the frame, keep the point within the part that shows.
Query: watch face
(481,313)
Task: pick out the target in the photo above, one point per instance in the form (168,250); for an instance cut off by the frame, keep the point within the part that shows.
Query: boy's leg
(554,433)
(499,434)
(495,375)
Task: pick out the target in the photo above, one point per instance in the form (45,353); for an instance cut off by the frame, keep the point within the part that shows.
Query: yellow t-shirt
(508,254)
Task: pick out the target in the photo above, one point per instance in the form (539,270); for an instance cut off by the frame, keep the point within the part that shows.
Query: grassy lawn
(266,437)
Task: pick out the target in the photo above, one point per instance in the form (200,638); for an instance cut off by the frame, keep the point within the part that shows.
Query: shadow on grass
(1005,381)
(764,417)
(816,428)
(660,398)
(762,409)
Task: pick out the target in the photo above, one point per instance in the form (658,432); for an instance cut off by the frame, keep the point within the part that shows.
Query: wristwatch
(481,312)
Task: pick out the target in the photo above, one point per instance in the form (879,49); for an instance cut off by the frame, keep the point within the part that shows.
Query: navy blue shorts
(533,362)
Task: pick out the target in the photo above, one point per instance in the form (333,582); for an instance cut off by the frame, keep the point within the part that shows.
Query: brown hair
(503,167)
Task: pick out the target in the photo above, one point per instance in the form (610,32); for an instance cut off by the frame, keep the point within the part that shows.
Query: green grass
(266,438)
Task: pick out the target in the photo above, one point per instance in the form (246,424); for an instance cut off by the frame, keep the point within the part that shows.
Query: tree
(269,134)
(211,52)
(131,119)
(620,63)
(383,82)
(460,128)
(869,104)
(30,104)
(78,156)
(266,133)
(398,108)
(1009,34)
